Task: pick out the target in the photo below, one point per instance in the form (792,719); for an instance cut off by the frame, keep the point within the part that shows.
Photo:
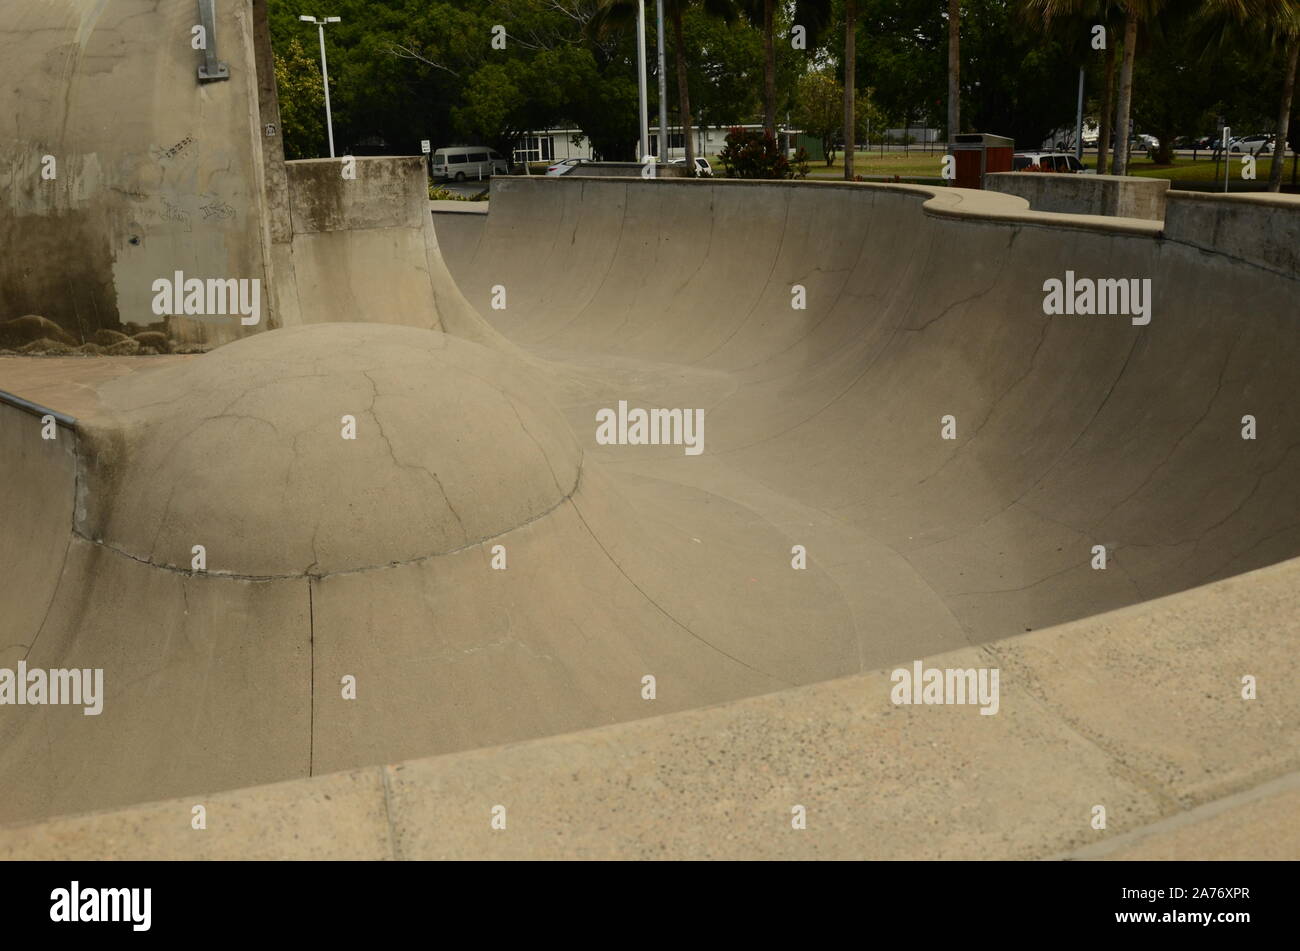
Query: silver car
(566,166)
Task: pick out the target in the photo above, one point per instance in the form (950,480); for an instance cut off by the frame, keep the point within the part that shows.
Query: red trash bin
(977,153)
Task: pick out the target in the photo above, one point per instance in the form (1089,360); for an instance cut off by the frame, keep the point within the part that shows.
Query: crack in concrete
(370,410)
(318,575)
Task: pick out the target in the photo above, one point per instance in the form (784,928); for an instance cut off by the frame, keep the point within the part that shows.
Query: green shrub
(801,163)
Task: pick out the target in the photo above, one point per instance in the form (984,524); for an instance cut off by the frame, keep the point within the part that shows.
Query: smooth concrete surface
(1071,431)
(36,511)
(373,558)
(1138,711)
(459,227)
(1121,196)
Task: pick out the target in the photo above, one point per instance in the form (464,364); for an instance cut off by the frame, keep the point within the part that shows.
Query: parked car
(702,167)
(566,166)
(467,161)
(1145,142)
(1258,144)
(1062,140)
(1048,162)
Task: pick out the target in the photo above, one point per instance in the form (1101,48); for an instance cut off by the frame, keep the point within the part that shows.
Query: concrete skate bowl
(376,559)
(1071,431)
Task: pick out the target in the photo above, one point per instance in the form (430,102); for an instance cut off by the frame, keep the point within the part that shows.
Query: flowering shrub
(753,154)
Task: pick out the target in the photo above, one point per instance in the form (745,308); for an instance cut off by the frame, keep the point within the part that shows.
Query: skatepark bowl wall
(905,458)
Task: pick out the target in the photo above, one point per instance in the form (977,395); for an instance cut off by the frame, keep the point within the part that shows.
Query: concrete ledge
(1118,196)
(1262,229)
(624,170)
(321,199)
(458,207)
(1137,710)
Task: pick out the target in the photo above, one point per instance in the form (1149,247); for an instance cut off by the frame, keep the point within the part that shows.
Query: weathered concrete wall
(1260,229)
(322,197)
(1119,196)
(154,171)
(362,247)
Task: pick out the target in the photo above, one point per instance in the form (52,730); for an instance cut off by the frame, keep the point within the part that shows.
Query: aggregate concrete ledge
(1139,711)
(452,207)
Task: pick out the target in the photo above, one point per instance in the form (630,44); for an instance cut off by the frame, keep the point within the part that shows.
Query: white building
(559,144)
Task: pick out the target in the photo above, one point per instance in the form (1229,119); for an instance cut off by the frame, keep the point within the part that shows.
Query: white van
(468,161)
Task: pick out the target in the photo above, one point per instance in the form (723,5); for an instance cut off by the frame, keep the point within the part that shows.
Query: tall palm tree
(618,14)
(1277,22)
(954,68)
(850,84)
(1136,12)
(1106,120)
(813,15)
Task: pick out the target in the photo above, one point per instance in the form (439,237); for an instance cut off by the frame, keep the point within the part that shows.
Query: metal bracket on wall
(212,70)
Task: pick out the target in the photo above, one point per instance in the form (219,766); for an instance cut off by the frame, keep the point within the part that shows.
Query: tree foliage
(405,70)
(819,109)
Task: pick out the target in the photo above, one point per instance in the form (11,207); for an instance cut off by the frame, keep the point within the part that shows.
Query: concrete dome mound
(320,449)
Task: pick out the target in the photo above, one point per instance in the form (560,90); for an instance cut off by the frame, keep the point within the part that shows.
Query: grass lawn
(908,165)
(1200,170)
(919,165)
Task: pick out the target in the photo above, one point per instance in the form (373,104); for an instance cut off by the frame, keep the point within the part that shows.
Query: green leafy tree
(819,103)
(302,101)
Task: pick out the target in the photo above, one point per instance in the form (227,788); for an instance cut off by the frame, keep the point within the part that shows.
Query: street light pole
(644,134)
(324,72)
(1078,121)
(663,92)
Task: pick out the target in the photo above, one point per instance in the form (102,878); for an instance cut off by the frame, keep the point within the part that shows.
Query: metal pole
(663,92)
(1078,121)
(1227,156)
(325,77)
(644,134)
